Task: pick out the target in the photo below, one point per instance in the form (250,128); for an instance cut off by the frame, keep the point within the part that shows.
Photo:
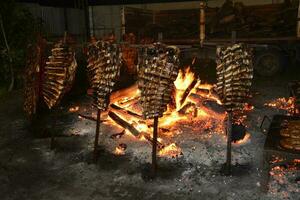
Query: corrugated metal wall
(53,19)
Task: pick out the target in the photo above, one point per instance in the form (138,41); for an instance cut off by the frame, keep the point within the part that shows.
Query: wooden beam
(298,22)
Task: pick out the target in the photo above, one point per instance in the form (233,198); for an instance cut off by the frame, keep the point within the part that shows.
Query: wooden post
(86,19)
(97,135)
(229,139)
(202,23)
(154,162)
(123,22)
(298,22)
(66,19)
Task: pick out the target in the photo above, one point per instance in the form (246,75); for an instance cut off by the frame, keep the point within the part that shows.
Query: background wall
(107,19)
(54,20)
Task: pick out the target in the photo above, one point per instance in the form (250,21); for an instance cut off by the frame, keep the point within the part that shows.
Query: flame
(189,111)
(171,150)
(182,82)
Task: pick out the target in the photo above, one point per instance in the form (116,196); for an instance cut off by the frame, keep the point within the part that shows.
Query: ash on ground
(29,169)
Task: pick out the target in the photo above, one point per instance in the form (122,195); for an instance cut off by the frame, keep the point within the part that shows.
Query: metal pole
(97,135)
(154,145)
(229,138)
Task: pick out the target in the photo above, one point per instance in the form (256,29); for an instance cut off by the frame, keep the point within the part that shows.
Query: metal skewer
(229,140)
(154,162)
(98,122)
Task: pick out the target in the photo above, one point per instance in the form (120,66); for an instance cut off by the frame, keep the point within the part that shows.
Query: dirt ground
(29,169)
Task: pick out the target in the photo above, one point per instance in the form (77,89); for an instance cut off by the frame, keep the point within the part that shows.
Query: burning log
(188,90)
(131,128)
(124,123)
(123,110)
(185,108)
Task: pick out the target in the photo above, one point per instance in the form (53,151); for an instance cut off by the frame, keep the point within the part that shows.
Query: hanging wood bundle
(32,77)
(234,75)
(104,64)
(31,82)
(158,69)
(59,73)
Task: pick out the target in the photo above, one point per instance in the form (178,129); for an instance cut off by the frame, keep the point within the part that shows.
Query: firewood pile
(104,64)
(234,75)
(59,73)
(158,70)
(269,20)
(259,21)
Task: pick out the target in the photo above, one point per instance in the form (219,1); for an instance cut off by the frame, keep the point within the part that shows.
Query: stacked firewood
(104,64)
(158,69)
(59,73)
(234,75)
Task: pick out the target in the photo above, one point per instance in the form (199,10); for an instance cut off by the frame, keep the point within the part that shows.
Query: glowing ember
(120,150)
(283,104)
(245,140)
(74,109)
(171,150)
(248,107)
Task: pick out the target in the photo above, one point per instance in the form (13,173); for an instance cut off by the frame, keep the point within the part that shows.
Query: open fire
(192,102)
(194,105)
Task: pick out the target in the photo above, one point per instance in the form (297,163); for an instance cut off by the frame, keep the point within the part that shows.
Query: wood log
(132,129)
(123,110)
(183,110)
(188,90)
(124,123)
